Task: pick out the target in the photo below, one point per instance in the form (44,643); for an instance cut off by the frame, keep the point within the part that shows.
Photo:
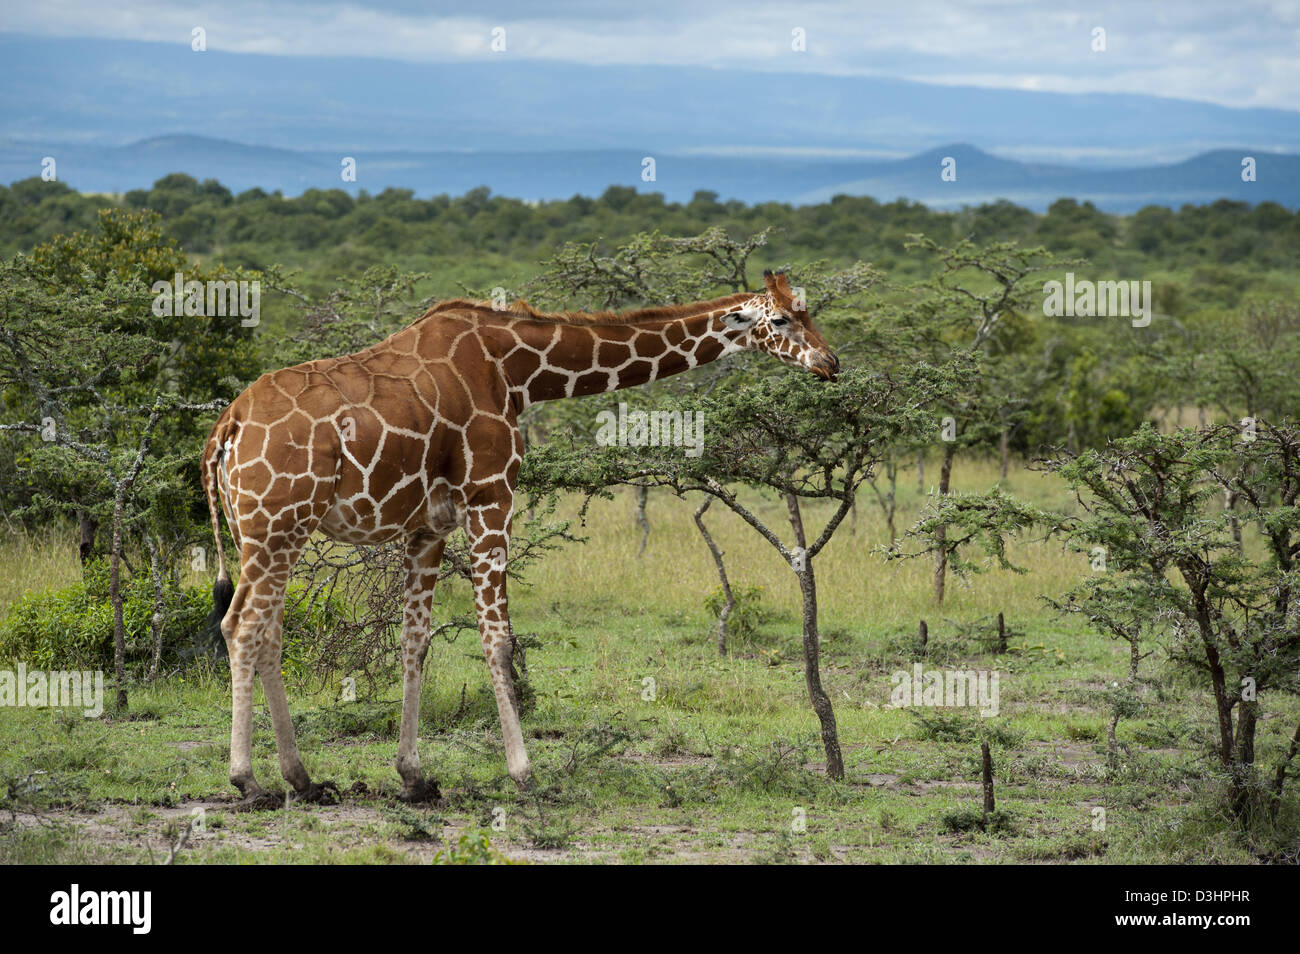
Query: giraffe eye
(780,322)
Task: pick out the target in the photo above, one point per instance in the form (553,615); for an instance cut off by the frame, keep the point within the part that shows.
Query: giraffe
(413,438)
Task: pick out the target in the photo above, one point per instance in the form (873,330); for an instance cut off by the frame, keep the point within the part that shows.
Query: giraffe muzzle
(828,368)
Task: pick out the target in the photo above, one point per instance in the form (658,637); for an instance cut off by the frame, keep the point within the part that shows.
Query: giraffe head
(776,322)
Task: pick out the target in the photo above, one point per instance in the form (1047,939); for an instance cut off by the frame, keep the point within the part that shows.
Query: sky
(1238,54)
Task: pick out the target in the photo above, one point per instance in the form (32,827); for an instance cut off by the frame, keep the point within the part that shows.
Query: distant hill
(549,175)
(984,178)
(544,129)
(114,92)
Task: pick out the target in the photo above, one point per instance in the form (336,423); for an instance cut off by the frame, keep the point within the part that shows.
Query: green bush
(73,627)
(307,626)
(747,615)
(474,847)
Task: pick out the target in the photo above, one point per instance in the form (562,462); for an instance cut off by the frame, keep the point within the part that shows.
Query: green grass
(721,765)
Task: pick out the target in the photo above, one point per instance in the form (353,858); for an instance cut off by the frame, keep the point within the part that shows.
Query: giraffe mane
(521,310)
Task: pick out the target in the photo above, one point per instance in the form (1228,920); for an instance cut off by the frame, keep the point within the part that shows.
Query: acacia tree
(651,268)
(828,462)
(976,303)
(352,316)
(1244,363)
(1242,366)
(806,441)
(65,361)
(1172,569)
(648,269)
(81,333)
(1149,502)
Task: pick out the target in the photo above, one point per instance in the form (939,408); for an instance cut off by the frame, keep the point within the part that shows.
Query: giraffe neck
(552,360)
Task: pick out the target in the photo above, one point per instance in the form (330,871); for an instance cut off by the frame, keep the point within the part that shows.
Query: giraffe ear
(737,321)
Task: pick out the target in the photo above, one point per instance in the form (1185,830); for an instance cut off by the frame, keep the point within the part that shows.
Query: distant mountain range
(980,177)
(118,114)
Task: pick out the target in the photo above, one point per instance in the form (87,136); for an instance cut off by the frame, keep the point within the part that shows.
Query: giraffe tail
(223,590)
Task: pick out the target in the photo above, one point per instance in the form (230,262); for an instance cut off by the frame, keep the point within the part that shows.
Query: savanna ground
(718,766)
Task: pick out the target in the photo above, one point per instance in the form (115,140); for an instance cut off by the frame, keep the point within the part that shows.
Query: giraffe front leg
(489,532)
(423,558)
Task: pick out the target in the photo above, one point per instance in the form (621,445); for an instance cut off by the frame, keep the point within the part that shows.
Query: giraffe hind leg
(286,745)
(253,627)
(423,558)
(240,631)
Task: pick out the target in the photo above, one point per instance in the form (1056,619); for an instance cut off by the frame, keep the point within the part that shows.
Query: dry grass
(676,573)
(36,562)
(855,584)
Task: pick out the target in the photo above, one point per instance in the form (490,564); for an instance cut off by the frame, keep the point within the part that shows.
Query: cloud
(1239,54)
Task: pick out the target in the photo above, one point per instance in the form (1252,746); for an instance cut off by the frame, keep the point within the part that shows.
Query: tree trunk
(920,472)
(1230,504)
(159,617)
(728,596)
(1004,450)
(941,532)
(887,499)
(115,596)
(121,493)
(87,525)
(1223,704)
(891,471)
(1229,754)
(642,521)
(1244,769)
(986,777)
(1134,658)
(1279,781)
(821,702)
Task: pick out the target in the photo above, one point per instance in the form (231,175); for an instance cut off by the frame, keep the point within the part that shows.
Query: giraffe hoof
(320,793)
(421,792)
(261,801)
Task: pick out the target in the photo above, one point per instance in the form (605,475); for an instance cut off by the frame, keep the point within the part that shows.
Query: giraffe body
(414,438)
